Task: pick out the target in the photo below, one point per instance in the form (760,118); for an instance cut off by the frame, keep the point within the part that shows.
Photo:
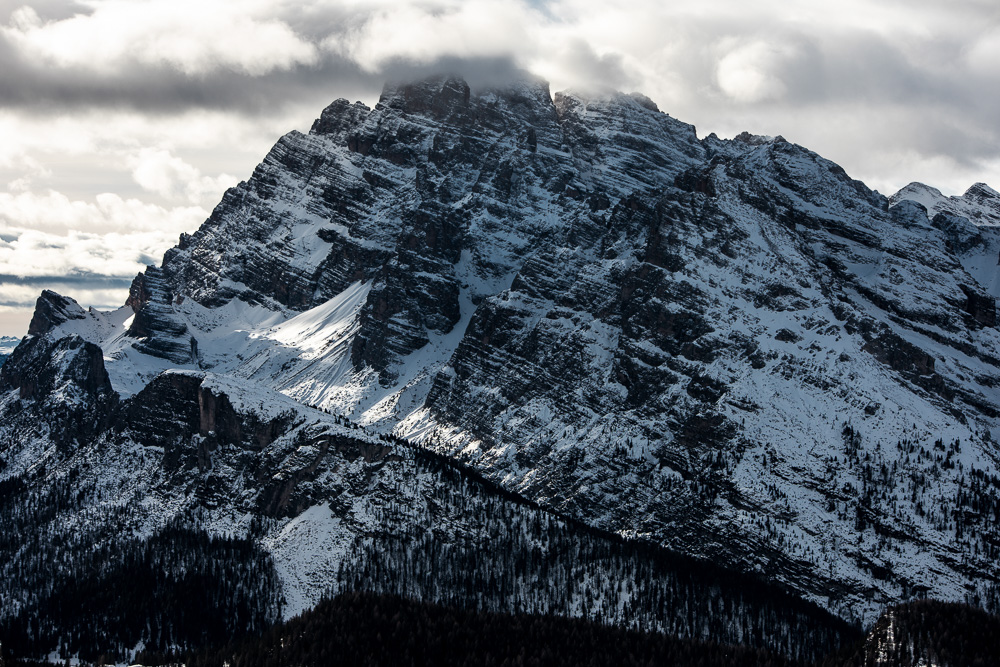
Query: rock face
(728,347)
(60,393)
(161,333)
(51,310)
(431,197)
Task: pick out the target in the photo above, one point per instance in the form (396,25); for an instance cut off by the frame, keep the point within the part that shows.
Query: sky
(122,122)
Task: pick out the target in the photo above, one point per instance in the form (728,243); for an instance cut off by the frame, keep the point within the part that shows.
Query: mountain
(980,204)
(726,348)
(202,509)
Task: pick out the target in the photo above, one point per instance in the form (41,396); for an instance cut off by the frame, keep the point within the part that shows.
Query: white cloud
(28,169)
(85,249)
(32,253)
(423,32)
(983,54)
(192,36)
(751,72)
(20,299)
(25,19)
(53,211)
(116,132)
(141,157)
(157,170)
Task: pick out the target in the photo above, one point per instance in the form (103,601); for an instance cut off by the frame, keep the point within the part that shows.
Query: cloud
(160,89)
(576,65)
(34,254)
(157,170)
(53,211)
(982,56)
(750,72)
(165,57)
(96,293)
(47,10)
(192,36)
(425,32)
(88,250)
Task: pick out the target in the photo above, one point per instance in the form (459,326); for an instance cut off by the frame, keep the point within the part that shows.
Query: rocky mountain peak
(606,104)
(983,195)
(340,117)
(61,391)
(921,193)
(51,310)
(644,101)
(439,96)
(980,203)
(757,139)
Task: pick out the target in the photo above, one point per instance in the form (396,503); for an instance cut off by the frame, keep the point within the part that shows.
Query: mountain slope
(200,509)
(727,347)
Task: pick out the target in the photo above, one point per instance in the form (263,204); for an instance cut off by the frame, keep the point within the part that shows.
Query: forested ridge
(179,588)
(374,630)
(388,630)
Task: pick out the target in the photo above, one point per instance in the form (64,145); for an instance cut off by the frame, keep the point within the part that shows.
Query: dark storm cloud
(164,89)
(89,290)
(82,280)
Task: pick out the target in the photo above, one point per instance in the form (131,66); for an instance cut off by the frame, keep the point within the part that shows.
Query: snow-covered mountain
(980,204)
(727,347)
(204,508)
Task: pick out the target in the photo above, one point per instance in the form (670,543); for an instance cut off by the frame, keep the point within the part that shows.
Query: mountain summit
(728,348)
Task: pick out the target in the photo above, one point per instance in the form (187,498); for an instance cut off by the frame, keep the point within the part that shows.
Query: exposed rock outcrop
(65,395)
(51,310)
(161,332)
